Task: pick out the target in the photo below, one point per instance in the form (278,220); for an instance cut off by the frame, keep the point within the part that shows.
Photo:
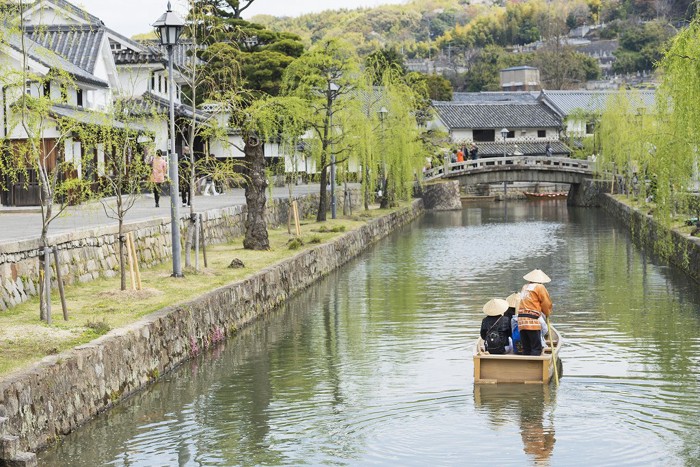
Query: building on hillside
(481,117)
(520,78)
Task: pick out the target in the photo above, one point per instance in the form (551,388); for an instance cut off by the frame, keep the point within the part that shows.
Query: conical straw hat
(495,307)
(513,300)
(537,275)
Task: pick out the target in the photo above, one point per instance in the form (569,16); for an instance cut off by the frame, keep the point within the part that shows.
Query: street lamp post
(168,28)
(504,134)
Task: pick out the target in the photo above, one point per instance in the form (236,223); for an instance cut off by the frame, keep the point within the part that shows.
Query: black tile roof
(51,59)
(78,44)
(512,115)
(493,97)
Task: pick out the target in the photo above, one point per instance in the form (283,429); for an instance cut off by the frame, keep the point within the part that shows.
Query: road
(25,223)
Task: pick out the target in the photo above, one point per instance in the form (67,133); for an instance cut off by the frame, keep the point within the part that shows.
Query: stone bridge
(535,169)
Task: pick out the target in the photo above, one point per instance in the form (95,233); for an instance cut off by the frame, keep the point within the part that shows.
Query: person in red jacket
(534,302)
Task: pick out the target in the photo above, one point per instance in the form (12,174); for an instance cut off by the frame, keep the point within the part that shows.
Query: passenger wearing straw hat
(495,328)
(534,302)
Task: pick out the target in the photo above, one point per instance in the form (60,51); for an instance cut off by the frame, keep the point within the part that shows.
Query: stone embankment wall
(681,250)
(442,196)
(88,254)
(63,391)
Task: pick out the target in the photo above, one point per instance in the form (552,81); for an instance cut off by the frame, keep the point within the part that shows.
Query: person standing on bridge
(460,155)
(548,150)
(474,152)
(534,302)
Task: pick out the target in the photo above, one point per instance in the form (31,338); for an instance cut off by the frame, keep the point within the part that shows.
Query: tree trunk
(255,226)
(322,206)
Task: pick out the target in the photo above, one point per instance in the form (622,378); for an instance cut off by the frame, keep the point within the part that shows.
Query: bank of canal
(373,364)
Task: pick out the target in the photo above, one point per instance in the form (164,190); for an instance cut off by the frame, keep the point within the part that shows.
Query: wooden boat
(509,368)
(551,195)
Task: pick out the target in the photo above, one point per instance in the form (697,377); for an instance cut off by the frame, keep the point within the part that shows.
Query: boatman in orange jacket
(534,302)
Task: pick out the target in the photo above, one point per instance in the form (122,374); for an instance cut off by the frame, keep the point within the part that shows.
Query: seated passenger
(513,302)
(495,328)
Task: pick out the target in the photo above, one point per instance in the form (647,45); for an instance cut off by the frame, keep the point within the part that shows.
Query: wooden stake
(136,261)
(60,284)
(131,265)
(204,243)
(297,225)
(47,282)
(196,243)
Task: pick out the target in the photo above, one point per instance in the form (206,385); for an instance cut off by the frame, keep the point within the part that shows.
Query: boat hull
(493,369)
(553,195)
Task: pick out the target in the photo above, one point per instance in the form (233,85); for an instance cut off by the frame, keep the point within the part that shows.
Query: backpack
(496,341)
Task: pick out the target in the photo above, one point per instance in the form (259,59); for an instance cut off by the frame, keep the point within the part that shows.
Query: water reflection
(533,408)
(373,364)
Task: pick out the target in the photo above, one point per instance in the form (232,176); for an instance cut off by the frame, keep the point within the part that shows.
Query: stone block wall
(92,253)
(680,249)
(442,196)
(63,391)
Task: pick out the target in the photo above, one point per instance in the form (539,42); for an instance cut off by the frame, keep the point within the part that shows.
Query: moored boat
(550,195)
(510,368)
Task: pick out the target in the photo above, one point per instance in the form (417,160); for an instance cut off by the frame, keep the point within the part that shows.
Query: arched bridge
(515,169)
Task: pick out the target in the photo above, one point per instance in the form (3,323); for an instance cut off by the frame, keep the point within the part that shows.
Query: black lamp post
(168,28)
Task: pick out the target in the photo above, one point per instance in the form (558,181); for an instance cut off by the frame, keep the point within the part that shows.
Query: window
(541,133)
(483,136)
(590,128)
(79,97)
(153,81)
(64,94)
(47,89)
(160,83)
(511,134)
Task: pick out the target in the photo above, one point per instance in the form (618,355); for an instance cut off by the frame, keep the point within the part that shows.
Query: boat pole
(554,353)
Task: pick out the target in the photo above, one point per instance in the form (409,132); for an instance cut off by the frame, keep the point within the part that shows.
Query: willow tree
(624,142)
(402,154)
(660,144)
(124,167)
(326,78)
(678,116)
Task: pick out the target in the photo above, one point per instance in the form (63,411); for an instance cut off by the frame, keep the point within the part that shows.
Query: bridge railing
(555,163)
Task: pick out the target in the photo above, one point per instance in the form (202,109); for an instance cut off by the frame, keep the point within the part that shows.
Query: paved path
(25,224)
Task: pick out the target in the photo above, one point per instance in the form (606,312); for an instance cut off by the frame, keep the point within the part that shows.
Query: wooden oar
(554,353)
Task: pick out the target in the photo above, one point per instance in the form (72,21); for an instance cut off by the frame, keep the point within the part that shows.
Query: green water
(373,365)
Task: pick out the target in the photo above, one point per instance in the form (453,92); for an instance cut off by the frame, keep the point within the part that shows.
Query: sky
(129,17)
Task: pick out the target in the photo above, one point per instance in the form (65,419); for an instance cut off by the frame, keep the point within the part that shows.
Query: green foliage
(295,243)
(99,328)
(641,46)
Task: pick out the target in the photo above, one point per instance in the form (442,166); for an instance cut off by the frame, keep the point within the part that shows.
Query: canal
(373,364)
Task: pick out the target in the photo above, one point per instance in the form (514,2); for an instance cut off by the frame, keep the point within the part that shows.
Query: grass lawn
(98,306)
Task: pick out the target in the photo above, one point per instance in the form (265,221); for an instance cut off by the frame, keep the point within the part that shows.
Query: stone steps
(10,454)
